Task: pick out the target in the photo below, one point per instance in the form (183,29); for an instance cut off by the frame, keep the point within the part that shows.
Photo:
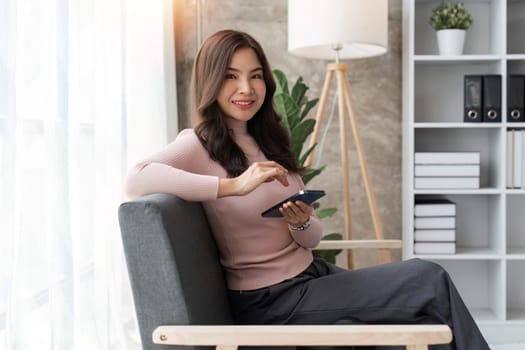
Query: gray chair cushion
(173,265)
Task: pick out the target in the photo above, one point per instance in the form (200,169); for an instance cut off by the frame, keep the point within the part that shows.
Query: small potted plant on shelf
(451,21)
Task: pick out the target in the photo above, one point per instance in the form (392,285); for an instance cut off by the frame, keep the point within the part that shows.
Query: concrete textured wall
(376,89)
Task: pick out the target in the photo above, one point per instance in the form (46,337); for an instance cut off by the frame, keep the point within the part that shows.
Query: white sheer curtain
(79,81)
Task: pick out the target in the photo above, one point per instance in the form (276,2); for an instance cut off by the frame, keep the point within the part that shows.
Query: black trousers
(407,292)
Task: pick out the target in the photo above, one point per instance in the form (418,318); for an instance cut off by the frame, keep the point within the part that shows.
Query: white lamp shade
(360,27)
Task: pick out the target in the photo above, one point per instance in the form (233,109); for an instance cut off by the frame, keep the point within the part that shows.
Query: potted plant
(451,21)
(293,106)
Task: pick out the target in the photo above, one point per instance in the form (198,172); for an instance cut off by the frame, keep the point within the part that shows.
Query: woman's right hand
(256,174)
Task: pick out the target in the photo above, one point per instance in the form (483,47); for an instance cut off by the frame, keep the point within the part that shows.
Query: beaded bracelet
(302,227)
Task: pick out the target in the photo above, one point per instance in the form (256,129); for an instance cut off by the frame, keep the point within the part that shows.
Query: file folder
(516,98)
(473,98)
(492,98)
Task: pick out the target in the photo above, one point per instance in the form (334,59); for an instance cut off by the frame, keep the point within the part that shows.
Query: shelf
(486,37)
(477,239)
(479,283)
(481,191)
(445,104)
(487,141)
(515,57)
(515,125)
(440,59)
(463,253)
(489,263)
(455,125)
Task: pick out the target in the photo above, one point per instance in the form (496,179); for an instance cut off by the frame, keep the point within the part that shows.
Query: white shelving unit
(489,265)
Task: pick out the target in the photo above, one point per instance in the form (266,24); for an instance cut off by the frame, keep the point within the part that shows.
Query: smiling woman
(71,88)
(237,161)
(243,90)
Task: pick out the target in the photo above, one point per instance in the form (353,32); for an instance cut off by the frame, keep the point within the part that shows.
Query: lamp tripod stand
(345,101)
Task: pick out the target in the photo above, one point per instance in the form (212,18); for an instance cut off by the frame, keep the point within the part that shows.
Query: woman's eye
(257,76)
(229,76)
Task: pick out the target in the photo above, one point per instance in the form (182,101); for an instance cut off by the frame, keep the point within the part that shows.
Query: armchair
(180,292)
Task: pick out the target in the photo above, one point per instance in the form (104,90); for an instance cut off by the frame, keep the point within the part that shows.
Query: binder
(472,98)
(516,98)
(492,98)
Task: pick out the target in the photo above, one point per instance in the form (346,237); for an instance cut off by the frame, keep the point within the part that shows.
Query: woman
(237,161)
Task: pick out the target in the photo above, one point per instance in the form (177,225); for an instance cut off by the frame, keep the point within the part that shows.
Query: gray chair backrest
(173,265)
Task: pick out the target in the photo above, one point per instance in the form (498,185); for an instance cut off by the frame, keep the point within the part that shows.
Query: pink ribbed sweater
(255,252)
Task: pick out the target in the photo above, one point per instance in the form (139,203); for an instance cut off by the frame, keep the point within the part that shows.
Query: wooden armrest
(361,243)
(415,337)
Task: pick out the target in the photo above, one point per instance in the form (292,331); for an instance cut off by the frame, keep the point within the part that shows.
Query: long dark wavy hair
(209,69)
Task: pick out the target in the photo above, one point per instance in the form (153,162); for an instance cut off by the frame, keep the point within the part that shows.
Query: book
(446,158)
(437,235)
(446,182)
(434,207)
(517,159)
(522,158)
(446,170)
(510,159)
(435,222)
(435,247)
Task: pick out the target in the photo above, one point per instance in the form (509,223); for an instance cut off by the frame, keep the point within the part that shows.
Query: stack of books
(515,158)
(439,170)
(434,226)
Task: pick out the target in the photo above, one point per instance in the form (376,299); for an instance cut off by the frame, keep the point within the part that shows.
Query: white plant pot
(451,41)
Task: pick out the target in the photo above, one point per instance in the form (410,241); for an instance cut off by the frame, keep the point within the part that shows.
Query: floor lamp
(341,29)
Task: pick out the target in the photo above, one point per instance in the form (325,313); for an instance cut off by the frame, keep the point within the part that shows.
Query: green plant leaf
(299,91)
(305,155)
(334,236)
(299,134)
(308,106)
(281,82)
(309,174)
(326,212)
(280,108)
(288,109)
(450,15)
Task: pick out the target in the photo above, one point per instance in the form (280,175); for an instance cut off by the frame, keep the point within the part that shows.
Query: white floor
(508,347)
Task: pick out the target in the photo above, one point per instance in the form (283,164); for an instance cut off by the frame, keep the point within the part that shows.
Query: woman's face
(243,89)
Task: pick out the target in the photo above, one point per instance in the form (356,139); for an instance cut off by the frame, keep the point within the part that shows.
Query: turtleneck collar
(239,131)
(238,127)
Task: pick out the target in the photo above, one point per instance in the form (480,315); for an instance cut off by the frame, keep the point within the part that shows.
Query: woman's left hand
(296,213)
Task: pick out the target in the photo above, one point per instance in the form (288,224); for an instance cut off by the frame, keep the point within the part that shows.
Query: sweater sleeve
(177,169)
(310,237)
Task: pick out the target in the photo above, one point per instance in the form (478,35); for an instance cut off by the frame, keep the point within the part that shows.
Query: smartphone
(307,196)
